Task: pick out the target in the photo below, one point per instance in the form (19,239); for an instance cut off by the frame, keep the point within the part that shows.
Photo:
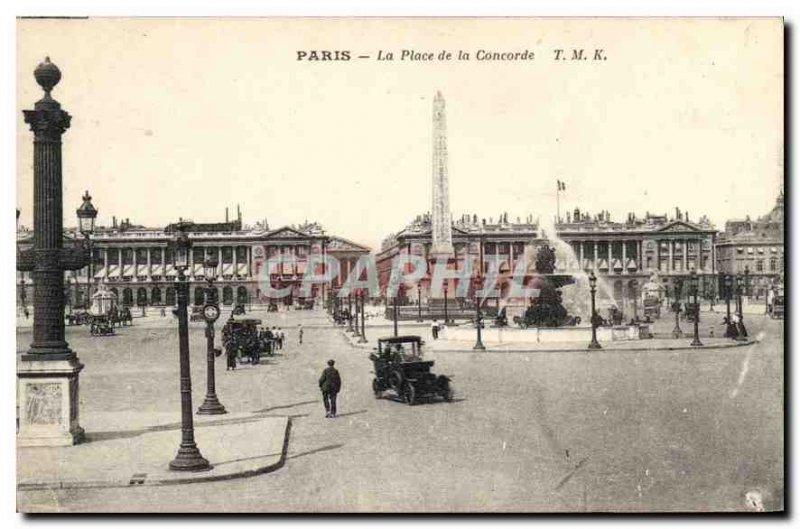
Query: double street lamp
(695,284)
(188,456)
(211,405)
(87,214)
(594,344)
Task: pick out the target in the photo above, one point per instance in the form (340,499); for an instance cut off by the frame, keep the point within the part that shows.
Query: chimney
(238,213)
(114,221)
(226,213)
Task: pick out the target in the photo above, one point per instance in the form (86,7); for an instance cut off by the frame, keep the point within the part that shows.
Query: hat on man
(331,362)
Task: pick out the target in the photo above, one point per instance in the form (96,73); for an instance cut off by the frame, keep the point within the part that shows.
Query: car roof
(401,339)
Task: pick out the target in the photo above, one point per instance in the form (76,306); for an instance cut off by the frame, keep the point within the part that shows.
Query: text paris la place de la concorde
(410,55)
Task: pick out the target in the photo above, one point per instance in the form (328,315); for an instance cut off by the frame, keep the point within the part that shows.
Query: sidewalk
(134,449)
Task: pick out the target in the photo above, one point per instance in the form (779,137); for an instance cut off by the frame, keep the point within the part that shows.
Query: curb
(604,349)
(139,480)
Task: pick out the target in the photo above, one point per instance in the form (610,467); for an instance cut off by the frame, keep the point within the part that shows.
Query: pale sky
(180,118)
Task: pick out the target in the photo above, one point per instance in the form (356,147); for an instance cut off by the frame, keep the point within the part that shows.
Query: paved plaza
(559,431)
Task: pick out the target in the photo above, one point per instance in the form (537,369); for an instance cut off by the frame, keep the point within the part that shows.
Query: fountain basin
(580,333)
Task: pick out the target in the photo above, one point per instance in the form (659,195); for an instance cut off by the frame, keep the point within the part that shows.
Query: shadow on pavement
(284,406)
(314,451)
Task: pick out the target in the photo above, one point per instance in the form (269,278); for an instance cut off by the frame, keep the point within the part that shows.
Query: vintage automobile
(242,335)
(398,366)
(101,326)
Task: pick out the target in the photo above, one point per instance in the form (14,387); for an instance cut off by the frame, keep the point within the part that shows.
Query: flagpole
(558,201)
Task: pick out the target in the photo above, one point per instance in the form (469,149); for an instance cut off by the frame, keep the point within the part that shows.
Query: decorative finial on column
(47,75)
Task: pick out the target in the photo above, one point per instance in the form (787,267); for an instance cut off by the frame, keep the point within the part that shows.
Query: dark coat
(330,381)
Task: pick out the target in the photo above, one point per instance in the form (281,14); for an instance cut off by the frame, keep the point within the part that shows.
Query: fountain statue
(547,309)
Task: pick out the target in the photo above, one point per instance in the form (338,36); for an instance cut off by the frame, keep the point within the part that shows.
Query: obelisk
(442,236)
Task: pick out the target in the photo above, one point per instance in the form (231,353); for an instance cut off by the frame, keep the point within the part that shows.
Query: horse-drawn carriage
(399,367)
(197,314)
(101,325)
(78,318)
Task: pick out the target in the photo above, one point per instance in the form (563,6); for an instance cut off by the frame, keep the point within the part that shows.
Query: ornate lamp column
(48,373)
(594,344)
(211,405)
(188,456)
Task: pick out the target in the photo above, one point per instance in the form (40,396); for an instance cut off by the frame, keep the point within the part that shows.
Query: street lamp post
(349,313)
(594,344)
(188,457)
(363,336)
(211,405)
(357,329)
(694,280)
(86,217)
(746,285)
(740,284)
(728,288)
(478,325)
(676,308)
(445,304)
(394,315)
(419,303)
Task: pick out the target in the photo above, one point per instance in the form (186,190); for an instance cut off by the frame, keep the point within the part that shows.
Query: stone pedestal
(47,403)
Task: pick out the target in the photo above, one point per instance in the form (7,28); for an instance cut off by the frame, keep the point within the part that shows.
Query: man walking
(300,332)
(435,329)
(330,383)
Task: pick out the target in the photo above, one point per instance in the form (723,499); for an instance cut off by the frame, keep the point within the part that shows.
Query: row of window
(157,254)
(154,296)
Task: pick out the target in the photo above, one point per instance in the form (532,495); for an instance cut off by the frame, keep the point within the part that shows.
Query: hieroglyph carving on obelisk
(442,243)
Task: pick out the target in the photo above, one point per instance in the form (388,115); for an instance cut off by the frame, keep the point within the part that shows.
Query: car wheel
(396,381)
(410,394)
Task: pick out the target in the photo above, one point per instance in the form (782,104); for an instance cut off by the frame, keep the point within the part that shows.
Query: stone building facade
(758,247)
(624,254)
(136,262)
